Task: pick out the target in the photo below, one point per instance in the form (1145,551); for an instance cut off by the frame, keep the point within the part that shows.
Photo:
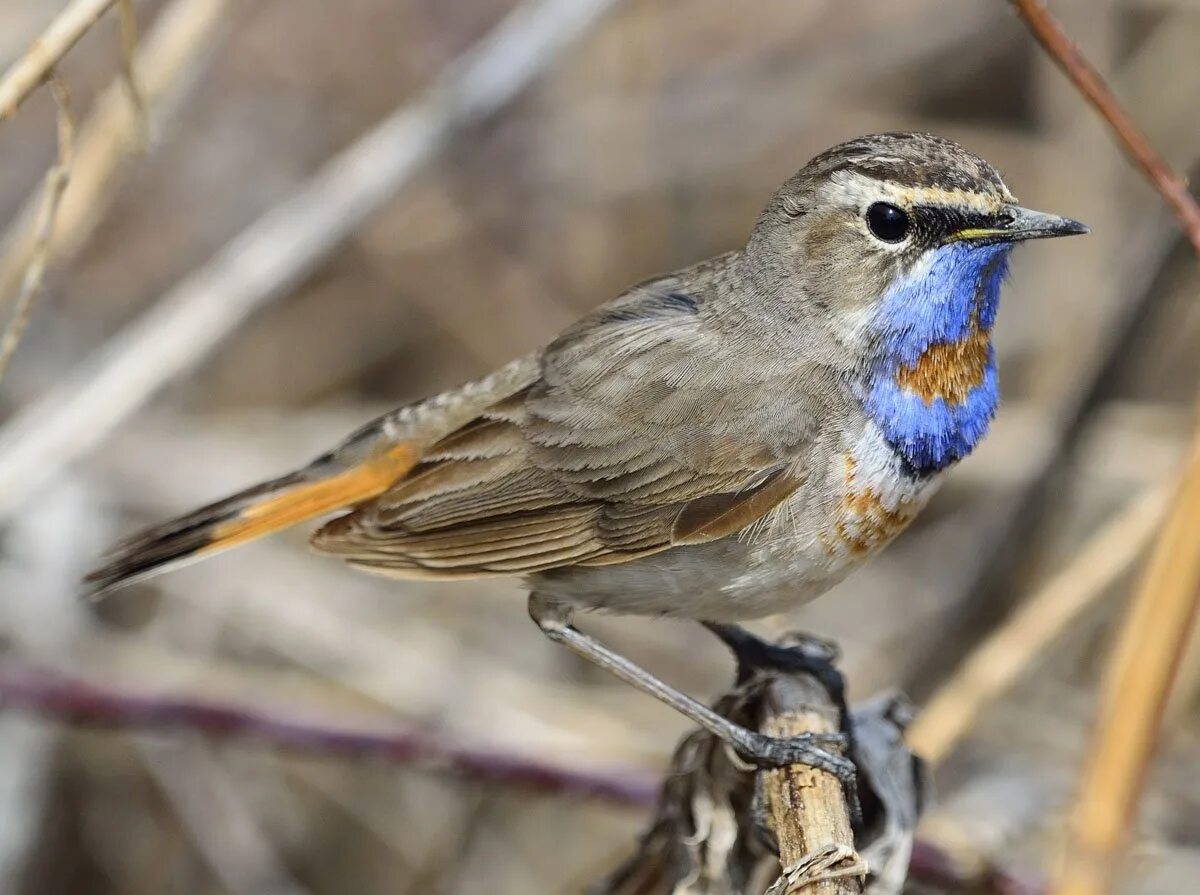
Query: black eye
(887,222)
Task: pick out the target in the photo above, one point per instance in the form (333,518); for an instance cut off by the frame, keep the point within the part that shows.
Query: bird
(719,443)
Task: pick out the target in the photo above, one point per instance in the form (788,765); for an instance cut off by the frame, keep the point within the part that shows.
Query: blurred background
(649,143)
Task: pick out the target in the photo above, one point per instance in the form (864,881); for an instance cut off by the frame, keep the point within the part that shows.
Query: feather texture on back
(603,459)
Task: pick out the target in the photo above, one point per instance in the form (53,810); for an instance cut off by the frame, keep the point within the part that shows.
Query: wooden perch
(808,811)
(721,828)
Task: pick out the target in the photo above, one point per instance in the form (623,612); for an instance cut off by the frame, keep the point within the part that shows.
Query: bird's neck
(931,384)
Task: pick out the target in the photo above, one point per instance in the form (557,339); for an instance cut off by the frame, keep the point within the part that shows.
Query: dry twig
(807,807)
(1064,51)
(89,703)
(23,77)
(40,237)
(706,837)
(281,247)
(166,61)
(52,192)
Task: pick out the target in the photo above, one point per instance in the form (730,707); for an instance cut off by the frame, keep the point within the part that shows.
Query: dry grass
(37,64)
(43,229)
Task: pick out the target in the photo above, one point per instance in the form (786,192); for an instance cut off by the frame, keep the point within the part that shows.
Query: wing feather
(612,454)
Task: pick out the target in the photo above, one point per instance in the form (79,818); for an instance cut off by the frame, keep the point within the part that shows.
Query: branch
(43,228)
(45,52)
(707,835)
(281,247)
(165,63)
(808,811)
(75,701)
(1170,185)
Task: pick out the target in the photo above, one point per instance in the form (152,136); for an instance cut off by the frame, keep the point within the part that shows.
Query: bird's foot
(810,655)
(813,750)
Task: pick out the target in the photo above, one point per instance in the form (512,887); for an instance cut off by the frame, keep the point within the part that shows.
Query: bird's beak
(1015,224)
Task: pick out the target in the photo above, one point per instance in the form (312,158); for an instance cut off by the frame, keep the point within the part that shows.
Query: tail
(362,468)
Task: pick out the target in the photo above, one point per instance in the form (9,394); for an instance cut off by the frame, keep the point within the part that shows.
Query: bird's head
(888,212)
(898,243)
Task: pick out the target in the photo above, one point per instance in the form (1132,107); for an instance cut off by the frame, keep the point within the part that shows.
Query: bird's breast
(948,371)
(872,497)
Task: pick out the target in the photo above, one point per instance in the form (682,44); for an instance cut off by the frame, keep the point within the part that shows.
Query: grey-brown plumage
(716,443)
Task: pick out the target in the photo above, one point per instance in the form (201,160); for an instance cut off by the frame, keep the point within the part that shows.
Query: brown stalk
(1151,643)
(1137,684)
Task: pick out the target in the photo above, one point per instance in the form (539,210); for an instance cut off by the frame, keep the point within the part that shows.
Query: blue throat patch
(952,300)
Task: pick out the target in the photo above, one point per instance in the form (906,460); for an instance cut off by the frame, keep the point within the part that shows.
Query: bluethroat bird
(719,443)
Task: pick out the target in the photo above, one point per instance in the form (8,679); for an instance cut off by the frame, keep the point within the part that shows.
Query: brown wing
(484,509)
(618,451)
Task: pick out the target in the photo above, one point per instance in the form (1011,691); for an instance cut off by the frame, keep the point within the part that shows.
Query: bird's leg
(809,749)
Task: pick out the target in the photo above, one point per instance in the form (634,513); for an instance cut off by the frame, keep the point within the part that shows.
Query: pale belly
(843,515)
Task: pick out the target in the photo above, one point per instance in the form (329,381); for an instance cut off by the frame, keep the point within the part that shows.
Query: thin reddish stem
(1170,185)
(75,701)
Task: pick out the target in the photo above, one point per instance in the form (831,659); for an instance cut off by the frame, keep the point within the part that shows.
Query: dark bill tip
(1025,223)
(1017,224)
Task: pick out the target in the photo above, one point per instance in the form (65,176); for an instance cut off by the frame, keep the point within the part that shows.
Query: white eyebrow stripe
(850,185)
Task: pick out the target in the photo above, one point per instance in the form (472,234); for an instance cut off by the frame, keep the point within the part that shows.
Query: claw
(811,750)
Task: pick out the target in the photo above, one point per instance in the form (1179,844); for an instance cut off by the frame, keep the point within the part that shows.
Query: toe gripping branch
(728,817)
(807,661)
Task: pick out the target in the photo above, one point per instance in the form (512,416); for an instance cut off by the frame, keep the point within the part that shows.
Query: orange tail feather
(296,505)
(248,515)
